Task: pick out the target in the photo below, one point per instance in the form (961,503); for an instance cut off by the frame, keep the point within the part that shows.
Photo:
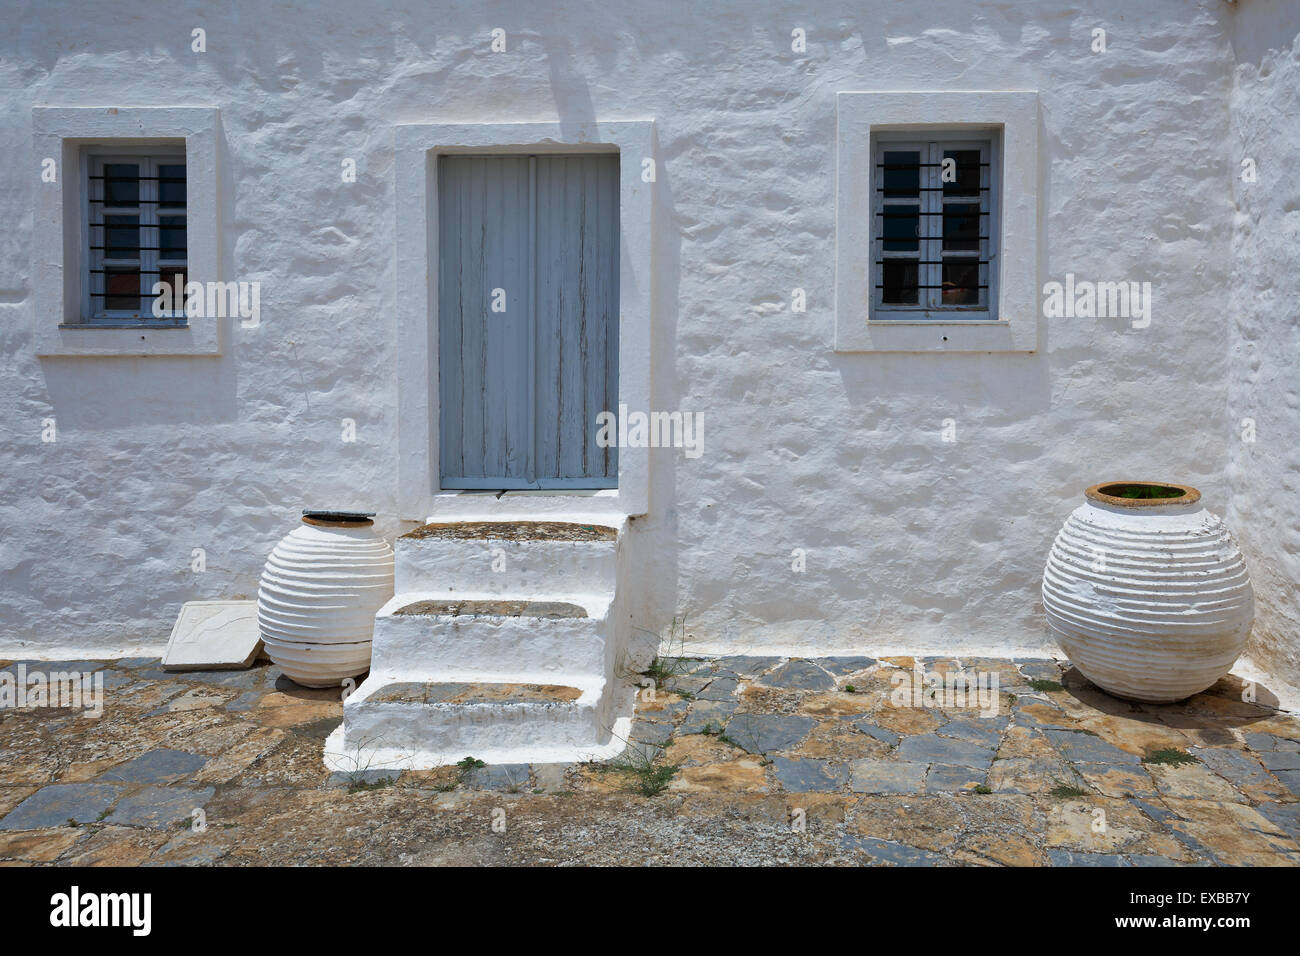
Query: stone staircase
(501,643)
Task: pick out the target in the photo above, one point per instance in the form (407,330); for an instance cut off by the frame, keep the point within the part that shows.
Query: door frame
(417,148)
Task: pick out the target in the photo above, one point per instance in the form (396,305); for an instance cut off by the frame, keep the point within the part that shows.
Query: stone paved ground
(776,761)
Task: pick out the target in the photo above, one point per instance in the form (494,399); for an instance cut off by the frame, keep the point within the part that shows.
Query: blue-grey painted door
(528,251)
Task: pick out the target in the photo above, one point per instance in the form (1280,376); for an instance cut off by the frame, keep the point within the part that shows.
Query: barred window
(136,236)
(935,229)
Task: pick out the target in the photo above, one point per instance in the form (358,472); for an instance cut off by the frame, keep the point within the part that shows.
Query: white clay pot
(319,593)
(1148,597)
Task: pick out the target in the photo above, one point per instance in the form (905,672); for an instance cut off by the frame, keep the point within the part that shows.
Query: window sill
(131,340)
(933,335)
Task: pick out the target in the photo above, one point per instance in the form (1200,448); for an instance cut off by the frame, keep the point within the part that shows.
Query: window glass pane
(171,237)
(901,228)
(901,172)
(122,289)
(121,184)
(121,237)
(967,181)
(961,279)
(171,184)
(961,227)
(174,276)
(899,277)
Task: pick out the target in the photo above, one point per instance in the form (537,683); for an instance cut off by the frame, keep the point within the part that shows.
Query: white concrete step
(504,558)
(406,724)
(478,636)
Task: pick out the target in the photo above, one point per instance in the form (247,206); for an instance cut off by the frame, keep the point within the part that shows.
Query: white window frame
(153,268)
(67,137)
(930,208)
(417,148)
(1011,120)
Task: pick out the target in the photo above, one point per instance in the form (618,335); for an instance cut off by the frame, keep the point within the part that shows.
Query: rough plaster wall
(910,542)
(1265,378)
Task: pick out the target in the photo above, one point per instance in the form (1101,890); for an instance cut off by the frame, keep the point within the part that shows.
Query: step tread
(492,608)
(471,693)
(512,531)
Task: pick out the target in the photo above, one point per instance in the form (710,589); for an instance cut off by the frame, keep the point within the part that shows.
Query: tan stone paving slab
(115,846)
(209,734)
(694,750)
(1004,849)
(1193,782)
(1097,825)
(295,715)
(1027,774)
(1237,835)
(1116,780)
(907,721)
(88,770)
(236,760)
(11,796)
(745,775)
(936,822)
(38,846)
(839,740)
(837,704)
(1135,734)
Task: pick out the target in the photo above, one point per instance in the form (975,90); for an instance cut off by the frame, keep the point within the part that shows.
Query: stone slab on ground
(213,635)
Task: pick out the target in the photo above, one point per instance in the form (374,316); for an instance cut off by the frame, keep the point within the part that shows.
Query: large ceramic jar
(319,593)
(1146,591)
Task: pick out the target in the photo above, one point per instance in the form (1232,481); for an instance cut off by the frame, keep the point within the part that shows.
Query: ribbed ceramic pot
(319,593)
(1148,597)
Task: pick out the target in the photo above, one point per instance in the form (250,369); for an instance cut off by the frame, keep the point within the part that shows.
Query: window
(136,236)
(934,242)
(924,265)
(152,173)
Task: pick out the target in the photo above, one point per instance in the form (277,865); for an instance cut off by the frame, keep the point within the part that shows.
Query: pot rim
(1189,495)
(338,519)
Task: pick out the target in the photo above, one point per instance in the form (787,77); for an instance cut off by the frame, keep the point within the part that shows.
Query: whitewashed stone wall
(910,542)
(1265,319)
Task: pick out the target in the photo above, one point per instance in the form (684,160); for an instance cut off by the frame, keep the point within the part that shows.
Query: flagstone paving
(740,760)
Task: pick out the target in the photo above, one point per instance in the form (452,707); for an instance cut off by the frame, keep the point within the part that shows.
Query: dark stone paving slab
(235,680)
(1086,748)
(798,675)
(985,731)
(361,778)
(747,666)
(886,776)
(503,777)
(708,716)
(1072,858)
(160,808)
(1267,743)
(156,766)
(931,748)
(764,733)
(844,666)
(245,702)
(1237,767)
(894,854)
(722,688)
(55,805)
(1281,760)
(1040,670)
(946,778)
(883,734)
(651,732)
(1289,779)
(1284,815)
(810,775)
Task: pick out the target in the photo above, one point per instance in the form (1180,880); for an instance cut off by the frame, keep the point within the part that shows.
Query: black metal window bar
(138,234)
(932,241)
